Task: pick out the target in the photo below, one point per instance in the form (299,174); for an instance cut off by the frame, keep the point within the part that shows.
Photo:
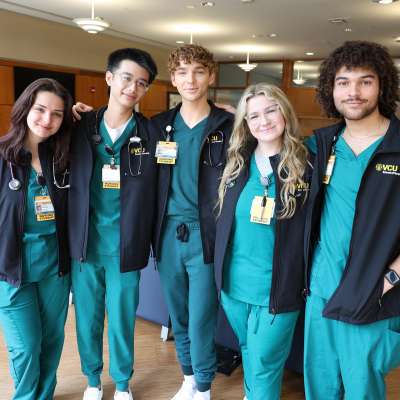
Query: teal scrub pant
(32,318)
(265,342)
(348,361)
(191,295)
(97,289)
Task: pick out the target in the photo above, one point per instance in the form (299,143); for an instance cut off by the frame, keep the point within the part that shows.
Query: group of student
(237,209)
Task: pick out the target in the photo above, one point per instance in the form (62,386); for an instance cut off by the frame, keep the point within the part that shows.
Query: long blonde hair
(293,156)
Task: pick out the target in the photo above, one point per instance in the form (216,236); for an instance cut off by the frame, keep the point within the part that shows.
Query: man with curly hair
(352,327)
(191,154)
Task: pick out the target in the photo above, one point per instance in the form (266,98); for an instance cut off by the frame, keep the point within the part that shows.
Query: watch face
(392,277)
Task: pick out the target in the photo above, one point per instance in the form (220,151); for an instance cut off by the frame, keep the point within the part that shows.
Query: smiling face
(356,93)
(265,120)
(192,81)
(45,116)
(128,84)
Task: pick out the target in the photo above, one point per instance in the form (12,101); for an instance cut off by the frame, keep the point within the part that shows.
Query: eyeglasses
(269,113)
(127,80)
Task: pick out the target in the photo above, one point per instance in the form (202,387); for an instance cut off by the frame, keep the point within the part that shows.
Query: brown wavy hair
(12,143)
(189,53)
(359,54)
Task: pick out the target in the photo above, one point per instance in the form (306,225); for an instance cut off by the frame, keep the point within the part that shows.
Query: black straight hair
(140,57)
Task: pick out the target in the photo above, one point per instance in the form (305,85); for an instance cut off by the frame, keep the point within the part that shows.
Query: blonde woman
(259,239)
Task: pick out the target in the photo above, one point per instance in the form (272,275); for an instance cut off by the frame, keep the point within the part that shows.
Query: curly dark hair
(189,53)
(359,54)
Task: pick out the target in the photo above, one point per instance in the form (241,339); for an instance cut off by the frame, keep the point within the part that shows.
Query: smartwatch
(392,277)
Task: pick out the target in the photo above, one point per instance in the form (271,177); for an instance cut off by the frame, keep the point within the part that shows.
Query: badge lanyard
(167,151)
(262,207)
(331,162)
(110,173)
(44,209)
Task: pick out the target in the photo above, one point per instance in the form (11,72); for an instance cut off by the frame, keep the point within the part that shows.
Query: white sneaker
(202,395)
(187,390)
(123,395)
(93,393)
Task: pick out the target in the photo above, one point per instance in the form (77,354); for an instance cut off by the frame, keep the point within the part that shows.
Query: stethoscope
(135,142)
(15,184)
(212,139)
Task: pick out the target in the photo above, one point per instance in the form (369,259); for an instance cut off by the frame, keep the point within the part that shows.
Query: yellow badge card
(329,169)
(44,209)
(261,213)
(110,177)
(166,152)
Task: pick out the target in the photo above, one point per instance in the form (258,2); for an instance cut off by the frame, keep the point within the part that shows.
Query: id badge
(111,177)
(44,209)
(260,214)
(166,152)
(329,169)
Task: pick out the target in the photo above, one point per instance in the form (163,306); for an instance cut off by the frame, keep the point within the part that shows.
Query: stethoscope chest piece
(14,184)
(96,139)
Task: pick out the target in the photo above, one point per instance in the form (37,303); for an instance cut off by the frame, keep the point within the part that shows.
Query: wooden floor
(157,375)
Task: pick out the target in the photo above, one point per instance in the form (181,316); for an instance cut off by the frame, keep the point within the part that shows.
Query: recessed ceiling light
(246,1)
(190,6)
(273,35)
(253,35)
(179,42)
(384,1)
(338,20)
(309,53)
(207,3)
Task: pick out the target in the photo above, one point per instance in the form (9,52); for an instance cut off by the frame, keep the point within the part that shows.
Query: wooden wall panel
(5,113)
(155,100)
(304,101)
(308,124)
(6,85)
(91,90)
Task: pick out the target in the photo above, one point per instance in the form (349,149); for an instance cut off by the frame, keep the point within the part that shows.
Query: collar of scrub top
(214,119)
(94,120)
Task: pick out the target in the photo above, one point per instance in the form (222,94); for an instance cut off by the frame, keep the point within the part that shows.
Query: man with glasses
(111,212)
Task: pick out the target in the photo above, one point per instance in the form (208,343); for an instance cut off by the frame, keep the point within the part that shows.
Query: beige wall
(32,39)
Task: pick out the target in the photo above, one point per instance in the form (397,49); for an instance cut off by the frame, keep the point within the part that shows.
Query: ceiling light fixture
(179,42)
(247,1)
(247,67)
(348,30)
(384,1)
(299,80)
(338,20)
(92,25)
(273,35)
(207,3)
(309,53)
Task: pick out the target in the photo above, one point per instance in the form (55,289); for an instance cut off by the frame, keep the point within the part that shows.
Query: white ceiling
(228,28)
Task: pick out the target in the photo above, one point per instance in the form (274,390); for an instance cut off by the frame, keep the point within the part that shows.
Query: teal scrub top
(248,264)
(39,240)
(183,195)
(332,250)
(104,204)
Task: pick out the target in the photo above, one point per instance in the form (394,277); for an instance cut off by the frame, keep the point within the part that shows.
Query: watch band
(392,277)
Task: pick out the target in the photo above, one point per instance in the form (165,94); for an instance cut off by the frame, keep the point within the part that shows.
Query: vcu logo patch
(388,169)
(137,151)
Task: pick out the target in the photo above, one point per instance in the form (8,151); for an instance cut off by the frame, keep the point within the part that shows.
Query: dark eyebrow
(41,105)
(362,77)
